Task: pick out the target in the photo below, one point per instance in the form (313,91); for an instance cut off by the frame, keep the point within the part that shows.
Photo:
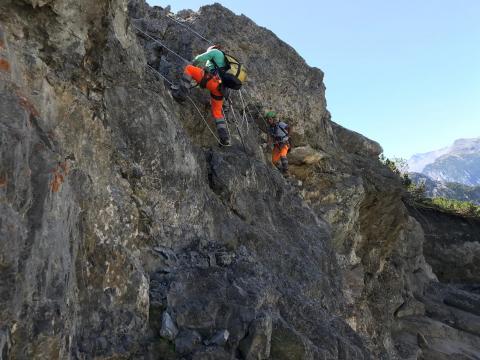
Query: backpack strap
(220,70)
(283,140)
(239,65)
(286,133)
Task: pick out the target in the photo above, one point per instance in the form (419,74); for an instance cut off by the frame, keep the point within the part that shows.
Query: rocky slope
(126,233)
(450,307)
(452,245)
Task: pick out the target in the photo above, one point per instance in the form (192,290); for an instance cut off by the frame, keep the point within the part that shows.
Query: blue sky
(405,73)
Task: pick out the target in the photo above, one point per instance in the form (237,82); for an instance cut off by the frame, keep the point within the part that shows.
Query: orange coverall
(279,151)
(213,85)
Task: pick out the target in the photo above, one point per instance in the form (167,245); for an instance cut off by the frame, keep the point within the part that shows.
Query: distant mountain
(463,169)
(448,190)
(459,163)
(418,161)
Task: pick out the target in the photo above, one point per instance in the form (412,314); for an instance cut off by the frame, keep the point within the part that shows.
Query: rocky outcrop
(378,245)
(355,143)
(452,244)
(444,322)
(125,232)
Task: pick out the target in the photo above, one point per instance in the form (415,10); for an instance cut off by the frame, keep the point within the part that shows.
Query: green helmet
(270,114)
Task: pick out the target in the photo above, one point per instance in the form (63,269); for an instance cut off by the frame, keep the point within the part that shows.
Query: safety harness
(280,141)
(207,76)
(273,131)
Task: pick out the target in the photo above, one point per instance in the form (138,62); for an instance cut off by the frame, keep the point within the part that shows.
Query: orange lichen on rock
(4,65)
(64,167)
(27,105)
(56,182)
(59,176)
(3,181)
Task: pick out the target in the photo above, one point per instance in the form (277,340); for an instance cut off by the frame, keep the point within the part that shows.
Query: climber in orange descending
(213,61)
(278,135)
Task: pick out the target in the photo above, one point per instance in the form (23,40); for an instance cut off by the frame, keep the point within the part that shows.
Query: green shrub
(456,206)
(417,191)
(399,167)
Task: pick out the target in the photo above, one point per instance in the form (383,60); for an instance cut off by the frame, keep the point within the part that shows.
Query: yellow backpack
(236,68)
(233,74)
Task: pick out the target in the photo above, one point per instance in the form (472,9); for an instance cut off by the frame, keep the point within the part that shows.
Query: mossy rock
(286,343)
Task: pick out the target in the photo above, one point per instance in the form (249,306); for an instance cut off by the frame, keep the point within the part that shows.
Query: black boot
(182,90)
(222,131)
(177,93)
(284,169)
(223,135)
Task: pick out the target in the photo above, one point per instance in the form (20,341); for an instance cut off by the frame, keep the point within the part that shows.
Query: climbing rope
(235,121)
(185,60)
(159,73)
(246,106)
(189,28)
(211,43)
(205,121)
(226,121)
(259,112)
(244,113)
(193,103)
(162,44)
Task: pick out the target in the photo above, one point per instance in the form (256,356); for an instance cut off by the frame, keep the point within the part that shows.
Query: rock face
(126,233)
(451,307)
(444,325)
(452,245)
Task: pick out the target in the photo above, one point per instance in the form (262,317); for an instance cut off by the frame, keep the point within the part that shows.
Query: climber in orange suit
(278,135)
(207,77)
